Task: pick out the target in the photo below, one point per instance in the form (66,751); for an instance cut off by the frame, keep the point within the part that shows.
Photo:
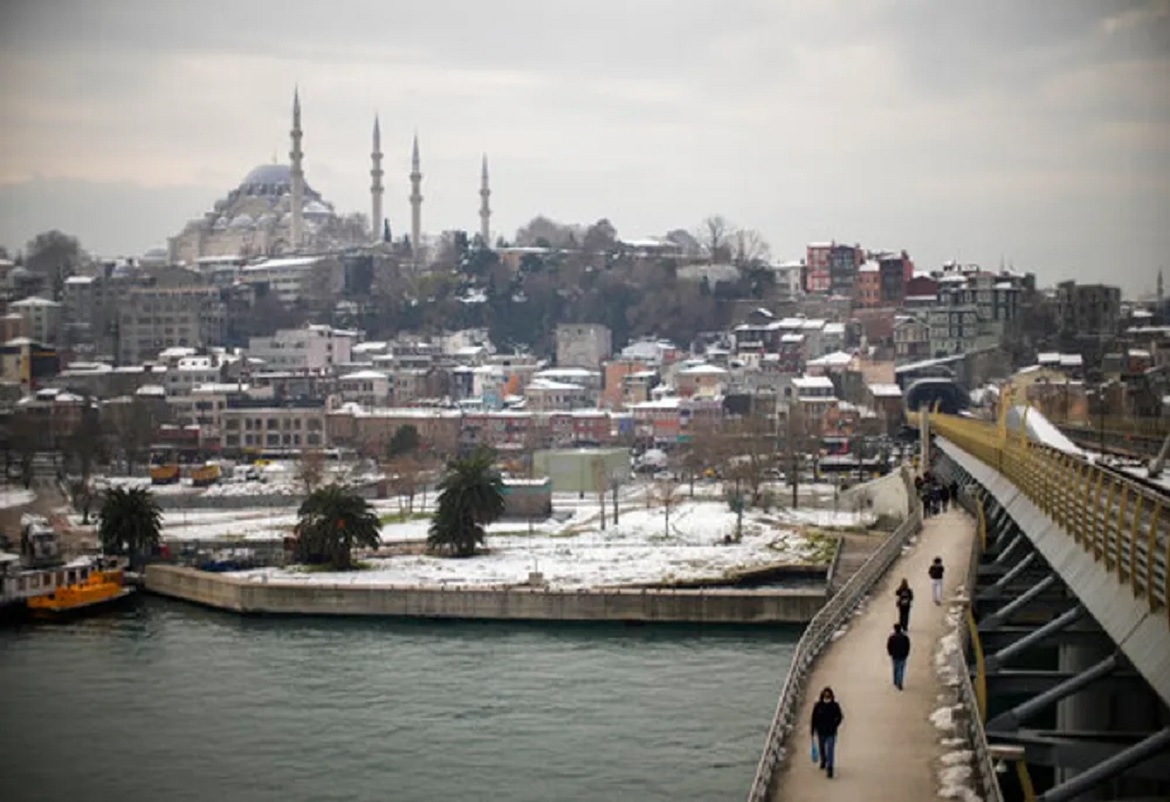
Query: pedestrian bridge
(1064,670)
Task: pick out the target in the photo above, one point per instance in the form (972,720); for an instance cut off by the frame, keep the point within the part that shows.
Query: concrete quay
(275,597)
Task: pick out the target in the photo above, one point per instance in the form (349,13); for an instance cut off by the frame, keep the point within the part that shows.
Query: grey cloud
(950,129)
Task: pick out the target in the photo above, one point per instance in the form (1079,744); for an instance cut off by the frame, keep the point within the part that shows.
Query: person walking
(826,719)
(905,598)
(936,579)
(898,647)
(944,494)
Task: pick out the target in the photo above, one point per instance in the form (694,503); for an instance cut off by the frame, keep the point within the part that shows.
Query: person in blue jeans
(826,719)
(898,647)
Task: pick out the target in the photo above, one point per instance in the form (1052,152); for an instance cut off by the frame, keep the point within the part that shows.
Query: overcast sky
(1038,132)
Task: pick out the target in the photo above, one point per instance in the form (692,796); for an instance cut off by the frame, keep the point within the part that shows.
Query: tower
(485,212)
(415,205)
(297,173)
(376,185)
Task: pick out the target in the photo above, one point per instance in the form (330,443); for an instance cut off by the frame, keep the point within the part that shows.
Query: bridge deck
(887,747)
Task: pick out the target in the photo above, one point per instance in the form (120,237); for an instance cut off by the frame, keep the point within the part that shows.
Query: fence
(973,697)
(817,635)
(1120,522)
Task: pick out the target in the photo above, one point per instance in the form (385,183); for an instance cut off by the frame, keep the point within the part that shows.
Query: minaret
(376,186)
(485,211)
(415,205)
(296,156)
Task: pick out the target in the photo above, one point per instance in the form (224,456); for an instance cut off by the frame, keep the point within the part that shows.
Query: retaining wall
(888,497)
(707,606)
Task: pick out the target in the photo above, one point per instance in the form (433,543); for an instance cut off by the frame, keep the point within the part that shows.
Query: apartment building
(153,319)
(42,318)
(313,348)
(266,425)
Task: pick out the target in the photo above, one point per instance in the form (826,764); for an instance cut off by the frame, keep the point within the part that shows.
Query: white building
(42,318)
(369,388)
(583,345)
(313,348)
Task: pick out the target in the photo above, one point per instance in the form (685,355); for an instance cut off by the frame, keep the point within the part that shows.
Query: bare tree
(55,256)
(713,234)
(311,469)
(753,440)
(750,247)
(598,465)
(797,441)
(666,495)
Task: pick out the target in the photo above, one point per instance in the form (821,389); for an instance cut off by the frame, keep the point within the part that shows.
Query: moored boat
(97,588)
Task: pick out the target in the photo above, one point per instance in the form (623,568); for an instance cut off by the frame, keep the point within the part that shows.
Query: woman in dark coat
(905,598)
(826,719)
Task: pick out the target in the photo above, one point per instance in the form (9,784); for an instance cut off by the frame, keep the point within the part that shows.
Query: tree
(404,473)
(331,523)
(665,494)
(599,481)
(311,469)
(750,248)
(55,255)
(599,237)
(754,452)
(129,522)
(471,495)
(85,444)
(713,235)
(404,441)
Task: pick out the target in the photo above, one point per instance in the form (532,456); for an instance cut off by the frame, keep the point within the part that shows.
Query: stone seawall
(708,606)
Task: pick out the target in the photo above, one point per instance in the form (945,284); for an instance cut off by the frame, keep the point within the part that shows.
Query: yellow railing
(1113,424)
(980,665)
(1125,526)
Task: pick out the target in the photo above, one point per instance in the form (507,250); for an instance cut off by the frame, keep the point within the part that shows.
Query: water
(169,702)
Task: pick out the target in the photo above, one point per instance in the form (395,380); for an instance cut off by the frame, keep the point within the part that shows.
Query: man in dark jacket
(826,718)
(898,647)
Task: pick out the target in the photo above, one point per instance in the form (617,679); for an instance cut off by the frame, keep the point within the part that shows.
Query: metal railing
(1123,524)
(819,633)
(973,695)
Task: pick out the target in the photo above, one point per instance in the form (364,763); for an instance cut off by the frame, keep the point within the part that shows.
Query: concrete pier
(274,597)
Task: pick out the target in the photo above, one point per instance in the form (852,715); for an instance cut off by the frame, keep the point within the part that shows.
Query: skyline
(1039,135)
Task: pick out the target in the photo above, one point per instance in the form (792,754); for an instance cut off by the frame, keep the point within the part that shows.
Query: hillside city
(273,327)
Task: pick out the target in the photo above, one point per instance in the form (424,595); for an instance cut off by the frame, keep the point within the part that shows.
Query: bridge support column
(1011,575)
(1087,711)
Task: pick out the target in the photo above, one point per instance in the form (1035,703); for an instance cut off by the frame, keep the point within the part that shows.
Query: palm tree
(332,522)
(471,495)
(129,522)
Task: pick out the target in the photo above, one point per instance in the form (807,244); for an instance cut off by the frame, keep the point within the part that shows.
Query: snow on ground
(830,519)
(16,498)
(637,551)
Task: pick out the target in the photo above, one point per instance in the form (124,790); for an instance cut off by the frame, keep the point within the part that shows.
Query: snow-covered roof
(33,301)
(812,383)
(551,385)
(835,359)
(364,375)
(885,390)
(703,370)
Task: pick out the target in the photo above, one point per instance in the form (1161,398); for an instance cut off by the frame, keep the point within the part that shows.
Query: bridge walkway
(887,748)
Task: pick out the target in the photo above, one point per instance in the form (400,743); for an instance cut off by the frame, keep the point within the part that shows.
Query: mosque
(274,211)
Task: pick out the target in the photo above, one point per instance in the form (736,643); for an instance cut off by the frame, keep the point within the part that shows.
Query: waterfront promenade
(887,749)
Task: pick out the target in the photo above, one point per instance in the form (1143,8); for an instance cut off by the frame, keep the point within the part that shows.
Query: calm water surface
(170,702)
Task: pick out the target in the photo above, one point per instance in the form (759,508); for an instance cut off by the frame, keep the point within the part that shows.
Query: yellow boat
(98,587)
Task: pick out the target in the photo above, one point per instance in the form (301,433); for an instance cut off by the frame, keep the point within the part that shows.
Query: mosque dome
(274,174)
(316,207)
(221,223)
(242,221)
